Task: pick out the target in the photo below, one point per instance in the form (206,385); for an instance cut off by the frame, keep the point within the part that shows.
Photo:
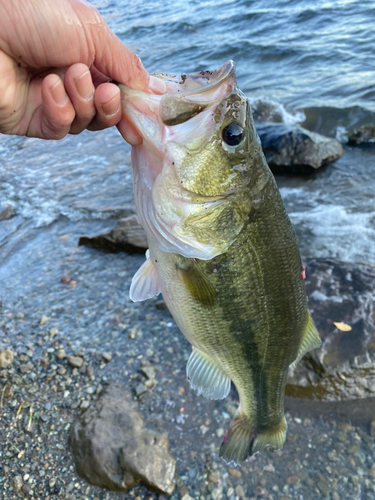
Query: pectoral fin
(310,341)
(198,284)
(206,377)
(145,283)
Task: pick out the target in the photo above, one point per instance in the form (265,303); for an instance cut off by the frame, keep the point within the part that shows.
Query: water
(313,61)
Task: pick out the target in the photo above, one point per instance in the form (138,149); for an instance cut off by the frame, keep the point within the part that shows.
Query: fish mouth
(185,97)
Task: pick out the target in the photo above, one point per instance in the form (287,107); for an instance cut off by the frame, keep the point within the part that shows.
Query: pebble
(355,480)
(240,491)
(60,354)
(6,212)
(214,477)
(84,404)
(53,332)
(43,320)
(65,279)
(107,356)
(372,429)
(140,389)
(332,456)
(148,371)
(216,494)
(220,432)
(292,480)
(8,391)
(75,361)
(269,468)
(17,483)
(372,471)
(26,368)
(132,333)
(6,358)
(235,473)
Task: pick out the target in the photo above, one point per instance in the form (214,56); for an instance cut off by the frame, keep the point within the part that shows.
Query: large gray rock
(113,450)
(344,366)
(127,235)
(295,148)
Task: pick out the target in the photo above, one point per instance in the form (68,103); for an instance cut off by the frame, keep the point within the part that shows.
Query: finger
(80,89)
(128,132)
(108,107)
(122,65)
(56,114)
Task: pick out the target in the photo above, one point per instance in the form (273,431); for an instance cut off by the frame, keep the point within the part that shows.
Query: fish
(222,250)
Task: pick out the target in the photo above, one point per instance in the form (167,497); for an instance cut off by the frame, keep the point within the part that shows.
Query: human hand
(56,61)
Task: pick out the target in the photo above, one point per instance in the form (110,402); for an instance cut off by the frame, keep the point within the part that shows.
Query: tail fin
(242,440)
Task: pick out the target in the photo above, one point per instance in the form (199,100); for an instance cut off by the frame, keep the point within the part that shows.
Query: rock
(107,357)
(84,404)
(17,483)
(26,368)
(60,354)
(43,320)
(8,391)
(127,235)
(372,429)
(6,358)
(344,366)
(66,279)
(6,212)
(295,148)
(148,371)
(140,389)
(361,135)
(53,332)
(113,450)
(75,361)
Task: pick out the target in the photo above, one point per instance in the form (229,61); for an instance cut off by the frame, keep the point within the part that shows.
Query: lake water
(313,61)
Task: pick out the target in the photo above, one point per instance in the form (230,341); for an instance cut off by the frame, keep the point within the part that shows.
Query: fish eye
(233,134)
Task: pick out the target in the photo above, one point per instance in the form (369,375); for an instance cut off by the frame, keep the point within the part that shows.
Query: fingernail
(84,86)
(111,107)
(58,93)
(156,85)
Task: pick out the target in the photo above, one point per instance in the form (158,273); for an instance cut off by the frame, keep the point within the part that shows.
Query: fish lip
(204,80)
(201,81)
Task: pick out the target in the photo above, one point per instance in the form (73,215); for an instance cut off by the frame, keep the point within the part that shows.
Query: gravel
(111,339)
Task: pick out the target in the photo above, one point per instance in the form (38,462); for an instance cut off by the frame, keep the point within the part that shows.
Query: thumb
(116,61)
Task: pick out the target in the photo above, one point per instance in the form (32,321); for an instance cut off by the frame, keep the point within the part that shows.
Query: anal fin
(145,283)
(206,377)
(310,340)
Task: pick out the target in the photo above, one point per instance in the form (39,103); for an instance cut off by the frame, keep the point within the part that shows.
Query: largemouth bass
(222,250)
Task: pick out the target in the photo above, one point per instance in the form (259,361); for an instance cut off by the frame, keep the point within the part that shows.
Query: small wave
(333,231)
(337,122)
